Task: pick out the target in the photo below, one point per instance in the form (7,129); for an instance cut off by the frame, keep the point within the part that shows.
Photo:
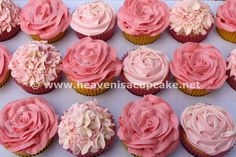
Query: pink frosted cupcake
(95,19)
(86,129)
(27,126)
(5,57)
(231,69)
(198,68)
(142,21)
(190,21)
(207,130)
(45,19)
(9,20)
(144,71)
(35,67)
(149,127)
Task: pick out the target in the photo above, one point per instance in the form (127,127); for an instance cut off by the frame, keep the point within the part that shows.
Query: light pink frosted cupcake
(9,20)
(5,57)
(231,69)
(149,127)
(35,67)
(86,129)
(27,126)
(94,19)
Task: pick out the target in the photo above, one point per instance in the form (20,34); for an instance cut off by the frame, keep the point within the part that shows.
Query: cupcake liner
(4,81)
(126,147)
(231,80)
(80,88)
(141,39)
(8,35)
(228,36)
(52,40)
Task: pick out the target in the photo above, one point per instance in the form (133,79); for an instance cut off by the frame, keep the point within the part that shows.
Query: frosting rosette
(91,61)
(231,66)
(226,16)
(5,58)
(27,125)
(93,18)
(191,17)
(209,128)
(35,62)
(143,17)
(86,128)
(45,18)
(149,127)
(198,65)
(145,66)
(9,16)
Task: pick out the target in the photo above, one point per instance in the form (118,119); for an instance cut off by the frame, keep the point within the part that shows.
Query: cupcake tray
(115,99)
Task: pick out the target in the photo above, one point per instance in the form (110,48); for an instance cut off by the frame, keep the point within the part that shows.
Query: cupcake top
(149,127)
(143,17)
(86,128)
(35,62)
(45,18)
(231,64)
(199,66)
(91,61)
(5,57)
(226,16)
(191,17)
(27,125)
(93,18)
(9,15)
(145,66)
(209,128)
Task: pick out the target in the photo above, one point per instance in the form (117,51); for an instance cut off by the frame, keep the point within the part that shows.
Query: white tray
(115,99)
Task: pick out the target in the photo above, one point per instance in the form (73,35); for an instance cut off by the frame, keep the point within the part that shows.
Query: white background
(115,99)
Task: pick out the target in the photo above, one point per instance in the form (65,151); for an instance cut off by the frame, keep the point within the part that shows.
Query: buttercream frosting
(5,57)
(91,61)
(9,15)
(231,66)
(149,127)
(27,125)
(145,66)
(85,128)
(199,64)
(143,17)
(93,18)
(35,62)
(209,128)
(45,18)
(226,16)
(191,17)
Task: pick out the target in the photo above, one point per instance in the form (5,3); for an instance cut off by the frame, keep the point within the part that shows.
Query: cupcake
(226,21)
(190,21)
(149,127)
(91,66)
(27,126)
(207,130)
(231,69)
(45,19)
(142,21)
(5,57)
(145,71)
(35,67)
(198,68)
(86,129)
(94,19)
(9,20)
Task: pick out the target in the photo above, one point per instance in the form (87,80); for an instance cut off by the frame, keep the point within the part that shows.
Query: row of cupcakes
(91,65)
(141,21)
(147,127)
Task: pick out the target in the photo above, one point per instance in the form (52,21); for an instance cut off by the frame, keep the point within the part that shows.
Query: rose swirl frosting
(5,57)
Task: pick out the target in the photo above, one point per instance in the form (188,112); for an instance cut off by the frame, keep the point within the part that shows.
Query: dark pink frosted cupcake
(231,69)
(86,129)
(5,57)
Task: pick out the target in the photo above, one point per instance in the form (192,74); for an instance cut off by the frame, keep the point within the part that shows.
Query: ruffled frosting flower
(143,17)
(5,57)
(35,62)
(209,128)
(27,125)
(86,128)
(191,17)
(231,60)
(200,64)
(93,18)
(149,127)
